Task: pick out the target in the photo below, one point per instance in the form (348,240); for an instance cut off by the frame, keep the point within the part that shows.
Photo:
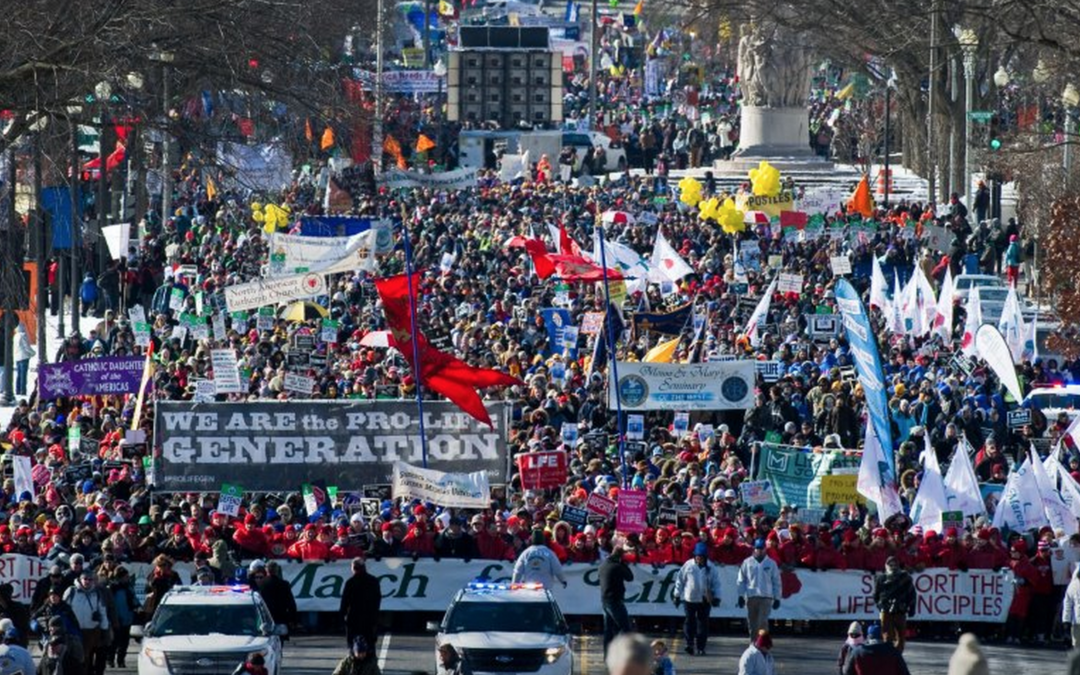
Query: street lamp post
(165,59)
(969,44)
(1071,98)
(440,74)
(888,106)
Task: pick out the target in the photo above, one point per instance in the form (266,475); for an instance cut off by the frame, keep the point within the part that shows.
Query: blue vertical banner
(556,320)
(57,203)
(864,351)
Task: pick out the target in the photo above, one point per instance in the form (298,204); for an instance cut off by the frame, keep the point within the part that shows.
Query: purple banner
(91,377)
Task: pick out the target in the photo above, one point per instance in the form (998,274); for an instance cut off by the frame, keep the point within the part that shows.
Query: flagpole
(412,329)
(614,359)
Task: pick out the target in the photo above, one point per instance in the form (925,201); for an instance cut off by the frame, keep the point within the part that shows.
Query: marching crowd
(482,300)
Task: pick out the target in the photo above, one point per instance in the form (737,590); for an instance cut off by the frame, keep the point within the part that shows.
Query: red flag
(439,371)
(796,219)
(566,267)
(567,245)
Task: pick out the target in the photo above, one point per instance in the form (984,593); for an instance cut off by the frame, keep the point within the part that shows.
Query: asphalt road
(411,654)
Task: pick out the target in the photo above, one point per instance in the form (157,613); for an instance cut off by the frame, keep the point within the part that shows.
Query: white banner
(458,179)
(295,254)
(261,168)
(117,238)
(403,81)
(728,385)
(272,291)
(429,586)
(459,490)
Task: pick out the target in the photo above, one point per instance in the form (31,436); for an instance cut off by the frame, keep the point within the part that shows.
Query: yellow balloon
(256,206)
(765,180)
(258,217)
(730,217)
(708,209)
(690,191)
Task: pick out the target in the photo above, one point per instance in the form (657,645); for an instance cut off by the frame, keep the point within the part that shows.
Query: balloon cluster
(272,216)
(725,214)
(690,191)
(765,180)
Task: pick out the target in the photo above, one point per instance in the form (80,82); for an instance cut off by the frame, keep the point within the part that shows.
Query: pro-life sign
(542,470)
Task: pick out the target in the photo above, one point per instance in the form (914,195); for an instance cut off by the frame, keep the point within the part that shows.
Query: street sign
(980,115)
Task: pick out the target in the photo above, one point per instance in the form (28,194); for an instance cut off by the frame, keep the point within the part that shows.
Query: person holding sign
(697,585)
(759,588)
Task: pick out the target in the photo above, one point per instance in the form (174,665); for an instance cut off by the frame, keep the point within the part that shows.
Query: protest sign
(789,283)
(457,490)
(348,443)
(840,489)
(841,264)
(458,179)
(591,323)
(599,504)
(768,370)
(577,517)
(90,377)
(630,515)
(676,386)
(756,492)
(569,433)
(329,331)
(230,498)
(226,371)
(299,384)
(680,424)
(542,470)
(825,326)
(205,391)
(635,427)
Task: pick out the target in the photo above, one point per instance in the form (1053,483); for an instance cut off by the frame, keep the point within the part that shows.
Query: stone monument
(774,73)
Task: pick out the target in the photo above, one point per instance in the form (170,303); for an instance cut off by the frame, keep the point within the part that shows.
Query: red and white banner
(542,470)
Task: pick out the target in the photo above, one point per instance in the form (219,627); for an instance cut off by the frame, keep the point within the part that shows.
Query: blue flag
(333,226)
(669,323)
(864,352)
(555,322)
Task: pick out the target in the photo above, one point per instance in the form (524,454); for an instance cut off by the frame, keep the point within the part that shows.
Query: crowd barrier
(428,585)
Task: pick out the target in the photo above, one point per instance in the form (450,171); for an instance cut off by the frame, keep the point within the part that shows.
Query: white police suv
(507,628)
(209,630)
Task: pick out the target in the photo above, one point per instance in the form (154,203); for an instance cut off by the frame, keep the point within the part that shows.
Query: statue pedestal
(775,133)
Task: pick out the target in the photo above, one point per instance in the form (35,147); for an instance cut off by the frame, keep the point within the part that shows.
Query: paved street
(407,654)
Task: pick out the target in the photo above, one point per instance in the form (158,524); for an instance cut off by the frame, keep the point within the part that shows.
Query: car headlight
(553,654)
(156,657)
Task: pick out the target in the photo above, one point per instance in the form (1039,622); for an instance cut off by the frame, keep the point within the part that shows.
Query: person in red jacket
(490,544)
(309,546)
(982,555)
(795,552)
(251,539)
(685,549)
(951,553)
(879,550)
(1043,605)
(342,548)
(1025,576)
(826,557)
(853,551)
(1001,552)
(729,551)
(284,540)
(664,552)
(582,549)
(420,540)
(929,548)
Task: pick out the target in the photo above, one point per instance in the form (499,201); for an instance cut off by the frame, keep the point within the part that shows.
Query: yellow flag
(639,7)
(663,352)
(211,189)
(846,92)
(446,8)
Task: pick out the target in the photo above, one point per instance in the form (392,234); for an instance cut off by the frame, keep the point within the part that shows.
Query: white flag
(943,321)
(961,484)
(878,297)
(760,312)
(1011,325)
(971,324)
(1020,507)
(1030,352)
(1070,491)
(1056,511)
(930,500)
(875,481)
(618,256)
(666,263)
(910,311)
(992,348)
(896,306)
(925,303)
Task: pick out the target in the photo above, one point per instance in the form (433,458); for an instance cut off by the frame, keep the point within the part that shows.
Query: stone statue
(774,67)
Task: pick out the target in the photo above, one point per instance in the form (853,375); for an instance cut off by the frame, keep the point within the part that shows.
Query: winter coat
(88,291)
(968,658)
(876,658)
(895,593)
(23,350)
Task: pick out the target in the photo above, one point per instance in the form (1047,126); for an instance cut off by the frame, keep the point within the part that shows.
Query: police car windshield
(502,617)
(207,620)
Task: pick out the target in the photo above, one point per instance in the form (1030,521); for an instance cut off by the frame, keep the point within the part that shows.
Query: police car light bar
(492,586)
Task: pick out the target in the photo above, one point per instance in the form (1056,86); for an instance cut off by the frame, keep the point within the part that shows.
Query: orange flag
(327,139)
(308,134)
(391,146)
(423,144)
(860,201)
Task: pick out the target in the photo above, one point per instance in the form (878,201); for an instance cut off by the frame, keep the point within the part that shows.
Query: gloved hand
(564,584)
(776,604)
(715,602)
(676,600)
(742,602)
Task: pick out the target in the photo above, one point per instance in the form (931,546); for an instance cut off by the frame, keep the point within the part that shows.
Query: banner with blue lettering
(864,352)
(333,226)
(556,320)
